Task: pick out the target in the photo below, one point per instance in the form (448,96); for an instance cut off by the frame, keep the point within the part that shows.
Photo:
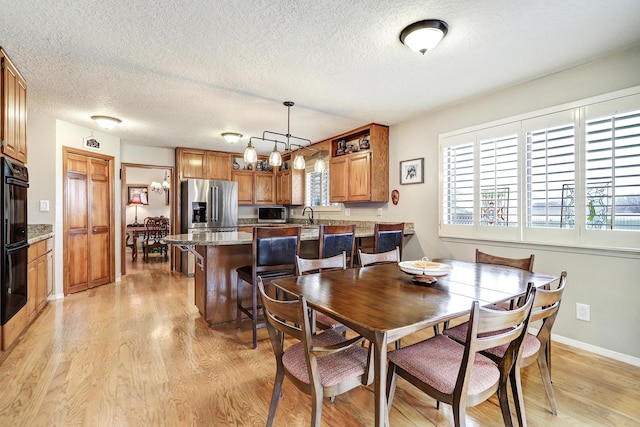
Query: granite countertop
(37,232)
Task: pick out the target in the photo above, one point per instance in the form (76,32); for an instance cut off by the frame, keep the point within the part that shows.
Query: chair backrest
(335,239)
(286,316)
(492,328)
(388,236)
(316,265)
(546,305)
(379,258)
(156,228)
(521,263)
(275,249)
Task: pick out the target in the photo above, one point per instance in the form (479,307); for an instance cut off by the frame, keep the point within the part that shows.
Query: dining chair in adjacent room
(379,258)
(322,365)
(536,347)
(458,374)
(305,265)
(156,229)
(335,239)
(274,251)
(388,236)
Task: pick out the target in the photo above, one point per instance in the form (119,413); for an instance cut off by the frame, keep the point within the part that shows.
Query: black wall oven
(13,295)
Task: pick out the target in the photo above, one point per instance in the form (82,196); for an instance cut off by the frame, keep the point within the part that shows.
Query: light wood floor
(137,354)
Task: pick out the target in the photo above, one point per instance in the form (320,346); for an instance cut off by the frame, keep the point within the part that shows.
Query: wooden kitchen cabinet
(264,188)
(39,276)
(13,116)
(218,165)
(191,164)
(245,186)
(290,187)
(361,175)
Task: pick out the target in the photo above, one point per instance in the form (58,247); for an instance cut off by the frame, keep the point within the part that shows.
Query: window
(317,188)
(573,174)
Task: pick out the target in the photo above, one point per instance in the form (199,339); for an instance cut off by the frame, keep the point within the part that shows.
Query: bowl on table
(425,271)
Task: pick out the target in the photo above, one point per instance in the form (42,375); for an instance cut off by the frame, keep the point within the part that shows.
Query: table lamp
(135,201)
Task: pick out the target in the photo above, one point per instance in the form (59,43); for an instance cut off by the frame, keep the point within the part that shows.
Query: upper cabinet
(218,165)
(290,185)
(360,165)
(203,164)
(13,127)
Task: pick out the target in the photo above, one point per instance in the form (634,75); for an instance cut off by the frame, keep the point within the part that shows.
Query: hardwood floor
(137,353)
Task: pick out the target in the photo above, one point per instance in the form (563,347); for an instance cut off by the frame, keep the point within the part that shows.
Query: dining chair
(536,347)
(156,229)
(379,258)
(322,365)
(458,374)
(274,251)
(305,265)
(388,236)
(521,263)
(335,239)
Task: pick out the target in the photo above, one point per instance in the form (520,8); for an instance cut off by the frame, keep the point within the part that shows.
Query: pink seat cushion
(327,321)
(437,361)
(334,368)
(531,343)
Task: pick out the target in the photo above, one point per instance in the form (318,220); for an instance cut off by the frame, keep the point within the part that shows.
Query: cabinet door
(192,164)
(245,186)
(264,188)
(338,179)
(218,165)
(14,111)
(49,256)
(32,285)
(283,188)
(41,285)
(359,177)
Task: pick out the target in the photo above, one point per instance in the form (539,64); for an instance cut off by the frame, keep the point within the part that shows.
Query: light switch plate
(44,206)
(347,212)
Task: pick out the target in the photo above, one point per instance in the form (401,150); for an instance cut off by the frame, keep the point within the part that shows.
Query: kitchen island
(218,254)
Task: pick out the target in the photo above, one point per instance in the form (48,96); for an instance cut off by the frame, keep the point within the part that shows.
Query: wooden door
(88,221)
(264,188)
(245,186)
(218,165)
(359,177)
(338,179)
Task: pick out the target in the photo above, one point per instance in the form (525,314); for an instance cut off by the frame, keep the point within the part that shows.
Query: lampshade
(250,155)
(231,137)
(275,158)
(106,122)
(319,166)
(298,162)
(424,35)
(135,200)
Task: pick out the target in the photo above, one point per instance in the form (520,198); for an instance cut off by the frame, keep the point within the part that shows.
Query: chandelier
(156,187)
(275,158)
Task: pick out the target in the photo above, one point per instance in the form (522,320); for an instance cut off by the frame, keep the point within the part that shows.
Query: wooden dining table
(384,304)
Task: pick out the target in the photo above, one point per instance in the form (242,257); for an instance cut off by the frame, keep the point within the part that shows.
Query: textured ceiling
(180,73)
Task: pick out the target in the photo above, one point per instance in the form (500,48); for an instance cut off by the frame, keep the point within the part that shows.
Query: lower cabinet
(39,276)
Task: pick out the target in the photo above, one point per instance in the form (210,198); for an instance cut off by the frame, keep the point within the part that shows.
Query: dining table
(383,304)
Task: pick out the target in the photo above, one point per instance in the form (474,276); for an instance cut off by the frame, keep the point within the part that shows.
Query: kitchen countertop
(38,232)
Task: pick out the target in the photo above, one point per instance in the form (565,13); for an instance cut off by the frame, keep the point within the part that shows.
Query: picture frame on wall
(412,171)
(138,195)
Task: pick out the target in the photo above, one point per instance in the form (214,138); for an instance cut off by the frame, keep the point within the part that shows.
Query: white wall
(607,281)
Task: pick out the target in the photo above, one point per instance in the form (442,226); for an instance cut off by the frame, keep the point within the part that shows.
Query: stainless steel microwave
(272,214)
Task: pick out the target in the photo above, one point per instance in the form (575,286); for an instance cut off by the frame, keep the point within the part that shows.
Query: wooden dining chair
(536,348)
(388,236)
(335,239)
(322,365)
(305,265)
(458,374)
(379,258)
(274,251)
(521,263)
(156,229)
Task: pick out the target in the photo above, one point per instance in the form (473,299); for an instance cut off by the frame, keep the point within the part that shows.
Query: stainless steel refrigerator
(207,206)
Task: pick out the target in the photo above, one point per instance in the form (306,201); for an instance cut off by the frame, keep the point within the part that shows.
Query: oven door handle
(17,182)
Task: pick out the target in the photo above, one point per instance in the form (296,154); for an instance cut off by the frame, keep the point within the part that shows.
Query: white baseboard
(635,361)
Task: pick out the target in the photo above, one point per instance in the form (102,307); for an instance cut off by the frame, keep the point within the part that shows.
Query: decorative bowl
(424,267)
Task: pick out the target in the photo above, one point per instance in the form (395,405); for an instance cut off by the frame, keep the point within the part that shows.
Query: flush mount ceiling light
(424,35)
(106,122)
(231,137)
(275,158)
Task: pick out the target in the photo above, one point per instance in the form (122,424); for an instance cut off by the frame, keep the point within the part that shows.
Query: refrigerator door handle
(215,208)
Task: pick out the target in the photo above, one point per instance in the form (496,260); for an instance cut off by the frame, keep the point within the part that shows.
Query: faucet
(311,215)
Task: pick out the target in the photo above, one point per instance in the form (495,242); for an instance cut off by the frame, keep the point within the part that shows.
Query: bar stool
(386,237)
(335,239)
(274,257)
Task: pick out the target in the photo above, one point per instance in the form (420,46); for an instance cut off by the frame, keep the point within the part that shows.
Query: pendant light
(275,159)
(250,155)
(298,162)
(319,166)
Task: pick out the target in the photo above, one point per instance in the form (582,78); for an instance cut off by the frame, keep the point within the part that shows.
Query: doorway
(137,178)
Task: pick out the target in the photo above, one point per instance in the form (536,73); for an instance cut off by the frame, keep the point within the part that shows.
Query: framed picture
(138,195)
(412,171)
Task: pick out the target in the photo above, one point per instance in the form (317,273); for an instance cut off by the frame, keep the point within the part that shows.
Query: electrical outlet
(583,312)
(44,206)
(347,212)
(379,211)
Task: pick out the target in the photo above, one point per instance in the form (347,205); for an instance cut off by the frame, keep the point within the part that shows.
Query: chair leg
(460,414)
(254,313)
(503,398)
(277,393)
(518,398)
(239,303)
(392,379)
(316,410)
(545,374)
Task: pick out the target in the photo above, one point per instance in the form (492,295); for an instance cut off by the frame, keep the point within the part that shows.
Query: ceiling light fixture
(275,158)
(424,35)
(106,122)
(156,187)
(231,137)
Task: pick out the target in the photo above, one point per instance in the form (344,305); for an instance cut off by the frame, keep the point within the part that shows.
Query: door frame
(123,210)
(112,223)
